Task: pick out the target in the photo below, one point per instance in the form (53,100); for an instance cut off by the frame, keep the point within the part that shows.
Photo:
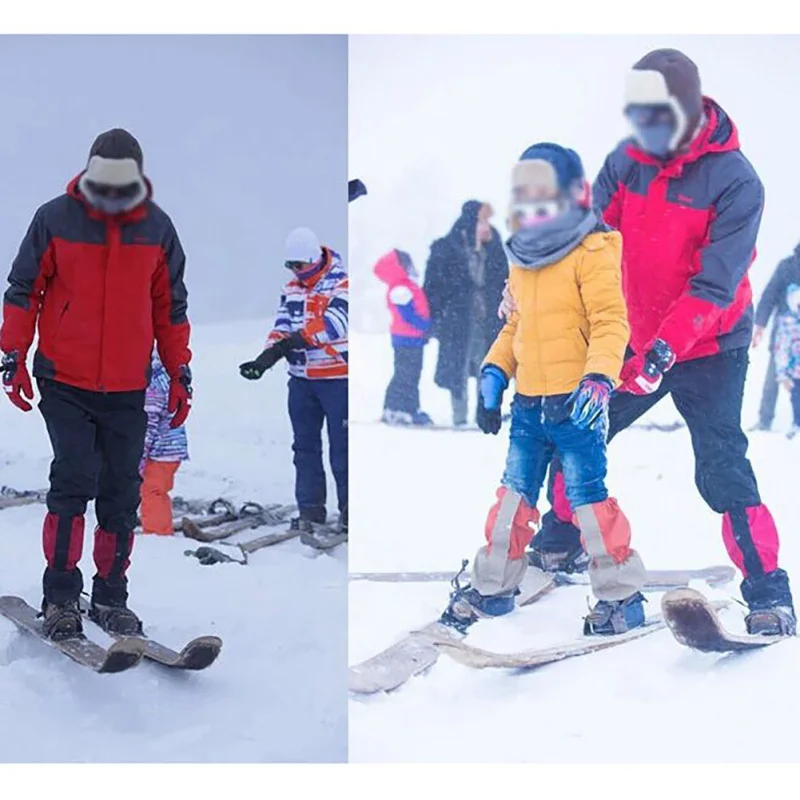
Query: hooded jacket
(100,289)
(689,228)
(407,303)
(318,310)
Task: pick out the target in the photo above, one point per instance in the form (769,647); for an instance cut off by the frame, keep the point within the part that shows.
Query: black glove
(355,189)
(489,420)
(253,370)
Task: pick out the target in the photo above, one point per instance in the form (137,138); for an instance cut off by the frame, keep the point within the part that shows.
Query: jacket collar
(135,214)
(718,135)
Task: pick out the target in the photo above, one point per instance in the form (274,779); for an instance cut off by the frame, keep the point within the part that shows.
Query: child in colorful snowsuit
(311,333)
(164,450)
(564,346)
(411,320)
(787,352)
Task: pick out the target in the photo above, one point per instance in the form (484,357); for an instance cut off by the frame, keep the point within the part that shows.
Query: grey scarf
(550,241)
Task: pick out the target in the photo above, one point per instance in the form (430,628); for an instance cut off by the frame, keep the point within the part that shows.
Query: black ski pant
(98,441)
(402,394)
(708,394)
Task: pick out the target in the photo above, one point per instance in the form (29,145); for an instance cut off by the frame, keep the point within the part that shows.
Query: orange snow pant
(156,509)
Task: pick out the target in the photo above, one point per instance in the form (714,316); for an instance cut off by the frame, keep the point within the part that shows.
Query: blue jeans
(539,427)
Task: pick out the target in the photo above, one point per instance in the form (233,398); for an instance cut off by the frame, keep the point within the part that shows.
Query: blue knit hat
(566,163)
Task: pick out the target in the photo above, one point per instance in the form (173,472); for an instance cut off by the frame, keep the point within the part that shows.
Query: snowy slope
(423,497)
(276,693)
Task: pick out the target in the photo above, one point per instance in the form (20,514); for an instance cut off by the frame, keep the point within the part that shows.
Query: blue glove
(588,403)
(493,383)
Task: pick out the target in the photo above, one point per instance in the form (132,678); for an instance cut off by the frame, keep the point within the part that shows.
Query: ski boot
(568,562)
(793,431)
(759,426)
(301,524)
(326,537)
(61,621)
(116,620)
(769,601)
(611,617)
(421,419)
(308,517)
(109,608)
(467,605)
(557,547)
(775,621)
(391,417)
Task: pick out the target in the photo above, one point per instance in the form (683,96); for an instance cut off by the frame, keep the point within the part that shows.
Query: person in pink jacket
(411,321)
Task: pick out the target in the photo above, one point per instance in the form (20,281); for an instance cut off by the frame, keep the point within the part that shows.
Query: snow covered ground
(277,690)
(422,500)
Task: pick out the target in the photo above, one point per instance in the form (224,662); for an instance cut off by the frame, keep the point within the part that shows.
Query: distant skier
(564,347)
(165,447)
(787,352)
(773,301)
(411,321)
(464,281)
(100,271)
(688,205)
(310,332)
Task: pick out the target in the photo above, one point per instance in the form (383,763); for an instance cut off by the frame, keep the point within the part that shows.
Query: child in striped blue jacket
(164,450)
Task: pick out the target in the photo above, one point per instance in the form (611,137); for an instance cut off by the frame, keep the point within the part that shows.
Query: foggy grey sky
(244,138)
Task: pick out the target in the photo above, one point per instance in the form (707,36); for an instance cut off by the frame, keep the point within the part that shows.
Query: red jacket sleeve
(28,279)
(170,297)
(721,265)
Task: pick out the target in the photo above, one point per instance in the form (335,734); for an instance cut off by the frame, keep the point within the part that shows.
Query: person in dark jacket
(464,280)
(773,302)
(689,205)
(100,273)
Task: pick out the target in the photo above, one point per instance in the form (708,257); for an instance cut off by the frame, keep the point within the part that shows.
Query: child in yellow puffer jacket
(564,346)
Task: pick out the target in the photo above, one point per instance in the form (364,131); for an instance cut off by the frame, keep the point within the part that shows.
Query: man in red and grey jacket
(688,205)
(100,273)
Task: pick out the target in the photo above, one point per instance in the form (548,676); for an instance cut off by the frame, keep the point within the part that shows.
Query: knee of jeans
(529,495)
(586,494)
(583,486)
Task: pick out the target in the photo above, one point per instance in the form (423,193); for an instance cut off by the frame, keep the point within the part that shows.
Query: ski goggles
(112,199)
(303,269)
(106,191)
(530,214)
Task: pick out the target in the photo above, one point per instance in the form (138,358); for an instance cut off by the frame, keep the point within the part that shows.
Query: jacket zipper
(112,237)
(538,340)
